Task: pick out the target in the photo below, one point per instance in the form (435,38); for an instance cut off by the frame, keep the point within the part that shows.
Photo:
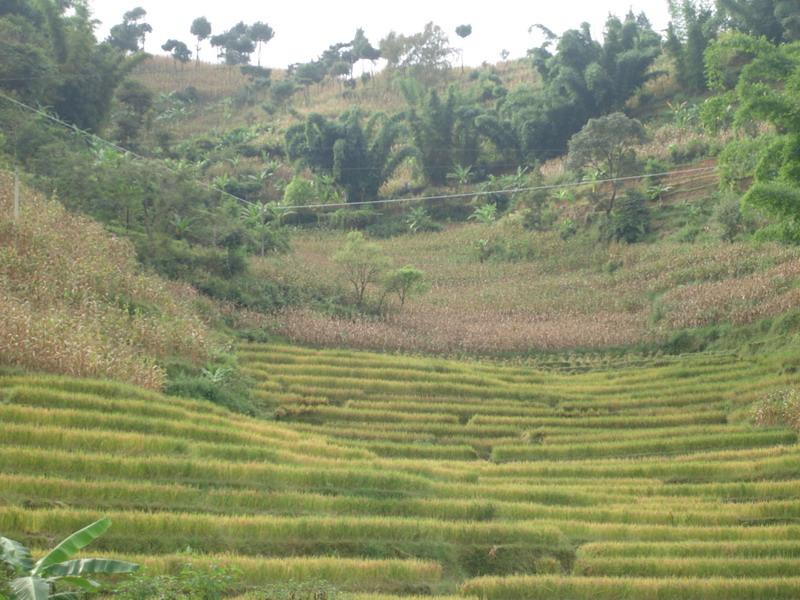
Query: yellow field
(397,475)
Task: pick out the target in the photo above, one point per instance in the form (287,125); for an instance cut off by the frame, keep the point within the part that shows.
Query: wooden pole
(16,195)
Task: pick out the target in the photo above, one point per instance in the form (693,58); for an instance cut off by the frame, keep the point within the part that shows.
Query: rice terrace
(416,319)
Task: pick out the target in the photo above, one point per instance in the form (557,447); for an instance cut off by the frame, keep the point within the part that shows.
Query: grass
(400,475)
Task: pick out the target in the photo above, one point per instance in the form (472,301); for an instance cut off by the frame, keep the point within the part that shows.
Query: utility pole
(16,195)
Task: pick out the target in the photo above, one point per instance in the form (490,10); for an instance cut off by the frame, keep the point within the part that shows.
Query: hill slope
(407,475)
(75,301)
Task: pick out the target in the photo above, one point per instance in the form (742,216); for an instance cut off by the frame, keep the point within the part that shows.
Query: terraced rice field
(397,476)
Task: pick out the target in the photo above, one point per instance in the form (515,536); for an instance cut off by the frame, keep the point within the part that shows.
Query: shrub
(728,216)
(197,583)
(630,220)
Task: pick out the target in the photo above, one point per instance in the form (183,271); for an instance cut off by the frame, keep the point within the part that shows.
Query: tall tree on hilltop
(235,45)
(463,31)
(178,50)
(260,33)
(201,29)
(129,36)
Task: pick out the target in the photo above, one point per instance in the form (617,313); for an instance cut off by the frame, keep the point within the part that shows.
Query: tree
(129,35)
(360,158)
(463,31)
(52,58)
(363,49)
(776,20)
(363,264)
(180,51)
(445,133)
(201,29)
(405,282)
(43,579)
(424,52)
(631,219)
(260,33)
(265,221)
(607,145)
(581,79)
(692,28)
(235,45)
(135,101)
(767,89)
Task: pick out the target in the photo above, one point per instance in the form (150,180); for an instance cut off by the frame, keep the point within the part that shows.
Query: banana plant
(39,580)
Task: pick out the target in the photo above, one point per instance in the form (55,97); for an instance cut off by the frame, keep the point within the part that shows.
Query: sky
(304,29)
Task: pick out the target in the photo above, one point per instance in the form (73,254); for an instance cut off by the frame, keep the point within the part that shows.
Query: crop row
(610,588)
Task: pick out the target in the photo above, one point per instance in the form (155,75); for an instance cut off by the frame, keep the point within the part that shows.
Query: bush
(739,160)
(728,216)
(352,218)
(195,583)
(689,152)
(630,221)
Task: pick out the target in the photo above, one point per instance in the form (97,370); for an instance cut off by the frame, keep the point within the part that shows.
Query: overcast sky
(304,29)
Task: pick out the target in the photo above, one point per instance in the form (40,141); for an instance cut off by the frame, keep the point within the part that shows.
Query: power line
(475,194)
(495,192)
(119,148)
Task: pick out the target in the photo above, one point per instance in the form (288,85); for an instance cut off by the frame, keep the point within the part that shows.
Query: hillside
(400,475)
(523,331)
(558,295)
(75,300)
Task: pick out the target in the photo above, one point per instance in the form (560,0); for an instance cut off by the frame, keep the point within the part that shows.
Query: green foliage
(776,20)
(363,264)
(358,158)
(739,160)
(179,50)
(777,198)
(692,28)
(129,35)
(485,214)
(235,45)
(42,579)
(135,102)
(606,144)
(300,192)
(421,53)
(630,221)
(192,582)
(728,216)
(418,220)
(464,31)
(52,58)
(765,81)
(446,135)
(581,79)
(201,29)
(405,282)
